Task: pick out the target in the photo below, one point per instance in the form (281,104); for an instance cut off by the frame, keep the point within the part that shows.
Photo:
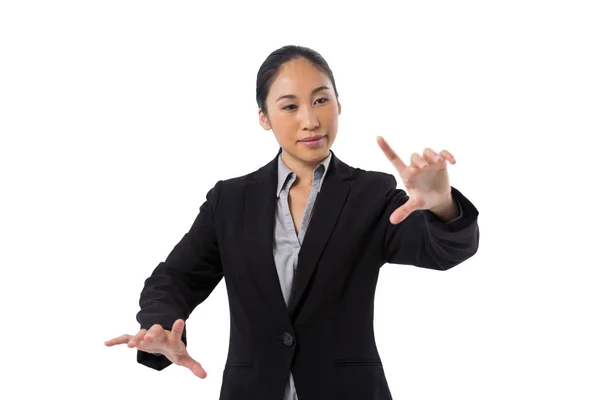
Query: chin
(314,155)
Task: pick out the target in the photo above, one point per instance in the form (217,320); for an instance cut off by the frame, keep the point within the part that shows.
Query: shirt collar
(284,173)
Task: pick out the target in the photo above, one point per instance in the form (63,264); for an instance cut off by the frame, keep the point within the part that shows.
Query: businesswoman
(299,243)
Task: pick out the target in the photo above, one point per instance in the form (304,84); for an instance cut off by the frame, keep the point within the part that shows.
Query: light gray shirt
(286,245)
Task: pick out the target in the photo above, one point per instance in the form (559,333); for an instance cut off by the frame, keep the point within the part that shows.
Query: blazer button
(288,339)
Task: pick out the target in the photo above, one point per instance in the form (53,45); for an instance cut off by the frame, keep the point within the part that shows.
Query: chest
(297,201)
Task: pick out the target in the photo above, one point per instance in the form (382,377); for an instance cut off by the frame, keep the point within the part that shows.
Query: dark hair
(276,59)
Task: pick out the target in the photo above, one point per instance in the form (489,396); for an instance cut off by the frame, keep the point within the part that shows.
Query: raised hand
(426,181)
(157,340)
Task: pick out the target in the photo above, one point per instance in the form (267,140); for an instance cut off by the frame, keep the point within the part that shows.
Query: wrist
(447,210)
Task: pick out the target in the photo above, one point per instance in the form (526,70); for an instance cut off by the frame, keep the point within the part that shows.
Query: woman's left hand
(426,181)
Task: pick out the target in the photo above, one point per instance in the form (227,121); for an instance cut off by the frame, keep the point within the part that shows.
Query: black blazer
(326,336)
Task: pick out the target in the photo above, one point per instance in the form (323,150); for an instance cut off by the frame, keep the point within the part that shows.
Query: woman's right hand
(157,340)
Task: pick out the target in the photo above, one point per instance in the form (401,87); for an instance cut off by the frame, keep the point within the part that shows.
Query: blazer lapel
(326,211)
(259,223)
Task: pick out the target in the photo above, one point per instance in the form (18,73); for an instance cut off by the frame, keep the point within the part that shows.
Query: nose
(308,118)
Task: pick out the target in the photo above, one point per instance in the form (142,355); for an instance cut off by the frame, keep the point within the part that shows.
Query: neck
(302,169)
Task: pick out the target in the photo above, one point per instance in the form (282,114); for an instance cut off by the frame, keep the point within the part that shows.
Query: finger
(137,338)
(194,366)
(391,154)
(417,161)
(118,340)
(431,156)
(177,329)
(404,211)
(448,156)
(155,334)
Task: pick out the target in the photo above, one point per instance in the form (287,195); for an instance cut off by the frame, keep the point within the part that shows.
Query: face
(302,112)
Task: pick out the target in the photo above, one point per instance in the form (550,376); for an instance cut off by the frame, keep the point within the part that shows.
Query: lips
(312,138)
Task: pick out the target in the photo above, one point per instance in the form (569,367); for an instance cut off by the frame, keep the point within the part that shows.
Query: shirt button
(288,339)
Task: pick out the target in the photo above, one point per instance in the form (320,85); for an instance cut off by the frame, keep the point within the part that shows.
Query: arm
(425,240)
(185,279)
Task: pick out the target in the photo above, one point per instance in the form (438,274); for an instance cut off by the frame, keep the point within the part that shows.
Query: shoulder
(374,180)
(374,189)
(229,186)
(237,182)
(235,186)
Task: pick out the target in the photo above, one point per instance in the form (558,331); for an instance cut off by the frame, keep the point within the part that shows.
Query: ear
(263,120)
(339,107)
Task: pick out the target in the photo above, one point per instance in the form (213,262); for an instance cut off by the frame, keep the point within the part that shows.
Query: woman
(299,243)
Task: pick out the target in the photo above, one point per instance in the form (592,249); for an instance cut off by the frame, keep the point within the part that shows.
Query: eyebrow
(292,96)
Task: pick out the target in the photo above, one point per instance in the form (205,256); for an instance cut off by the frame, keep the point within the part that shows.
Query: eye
(290,107)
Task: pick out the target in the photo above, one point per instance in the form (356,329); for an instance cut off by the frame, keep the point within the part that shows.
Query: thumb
(177,329)
(404,211)
(194,366)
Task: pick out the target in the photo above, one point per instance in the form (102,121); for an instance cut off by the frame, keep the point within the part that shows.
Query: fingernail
(423,164)
(436,158)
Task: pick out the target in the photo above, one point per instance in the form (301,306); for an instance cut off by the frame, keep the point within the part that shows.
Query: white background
(118,116)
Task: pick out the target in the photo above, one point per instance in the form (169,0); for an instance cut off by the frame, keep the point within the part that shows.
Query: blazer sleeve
(424,240)
(185,279)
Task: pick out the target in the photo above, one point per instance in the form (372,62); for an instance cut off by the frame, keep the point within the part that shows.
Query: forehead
(298,77)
